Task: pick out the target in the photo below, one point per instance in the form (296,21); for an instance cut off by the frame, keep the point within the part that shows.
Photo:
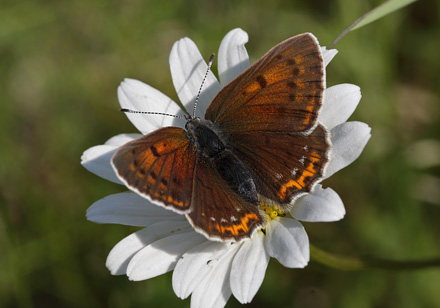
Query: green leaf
(380,11)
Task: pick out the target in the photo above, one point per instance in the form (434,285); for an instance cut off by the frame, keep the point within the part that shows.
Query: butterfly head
(191,121)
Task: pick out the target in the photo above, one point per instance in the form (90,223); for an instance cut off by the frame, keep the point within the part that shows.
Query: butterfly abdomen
(212,149)
(235,173)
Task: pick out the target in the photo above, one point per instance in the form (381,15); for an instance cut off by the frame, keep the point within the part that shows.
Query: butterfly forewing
(281,92)
(160,166)
(218,211)
(283,166)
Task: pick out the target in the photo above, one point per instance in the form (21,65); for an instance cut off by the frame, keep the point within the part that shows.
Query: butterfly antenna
(203,81)
(151,112)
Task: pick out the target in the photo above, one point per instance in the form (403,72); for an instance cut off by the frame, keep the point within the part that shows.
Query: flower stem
(352,263)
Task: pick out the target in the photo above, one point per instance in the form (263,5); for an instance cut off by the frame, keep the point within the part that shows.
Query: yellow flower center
(272,211)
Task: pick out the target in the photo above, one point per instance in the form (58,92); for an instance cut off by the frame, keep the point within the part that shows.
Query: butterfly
(260,141)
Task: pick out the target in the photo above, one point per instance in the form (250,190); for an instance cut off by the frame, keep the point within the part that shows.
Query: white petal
(161,256)
(215,290)
(122,253)
(232,55)
(121,139)
(348,142)
(194,265)
(287,241)
(97,159)
(248,268)
(129,209)
(138,96)
(340,102)
(188,70)
(328,55)
(320,205)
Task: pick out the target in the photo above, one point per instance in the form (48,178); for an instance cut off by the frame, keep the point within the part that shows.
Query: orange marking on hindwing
(283,191)
(174,201)
(309,172)
(235,229)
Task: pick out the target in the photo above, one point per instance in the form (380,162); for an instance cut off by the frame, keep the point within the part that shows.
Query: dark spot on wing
(261,81)
(154,151)
(292,85)
(176,181)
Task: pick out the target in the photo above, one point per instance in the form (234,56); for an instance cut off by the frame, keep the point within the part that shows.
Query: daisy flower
(213,271)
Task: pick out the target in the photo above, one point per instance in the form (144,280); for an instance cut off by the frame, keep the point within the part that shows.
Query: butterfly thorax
(206,137)
(211,147)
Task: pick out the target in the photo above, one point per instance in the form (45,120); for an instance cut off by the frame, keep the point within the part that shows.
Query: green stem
(352,263)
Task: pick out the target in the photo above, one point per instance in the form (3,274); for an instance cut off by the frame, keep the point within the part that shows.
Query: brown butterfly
(260,141)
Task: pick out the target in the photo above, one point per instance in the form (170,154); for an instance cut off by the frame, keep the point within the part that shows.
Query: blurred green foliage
(60,65)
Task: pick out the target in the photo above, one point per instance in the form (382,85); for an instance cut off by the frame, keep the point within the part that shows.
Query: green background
(60,65)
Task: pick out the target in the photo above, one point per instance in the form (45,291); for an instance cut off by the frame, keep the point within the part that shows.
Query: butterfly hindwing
(218,211)
(283,166)
(281,92)
(159,166)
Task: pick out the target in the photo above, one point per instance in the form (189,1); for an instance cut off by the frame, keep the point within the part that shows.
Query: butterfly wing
(163,167)
(269,115)
(283,166)
(159,166)
(217,211)
(284,88)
